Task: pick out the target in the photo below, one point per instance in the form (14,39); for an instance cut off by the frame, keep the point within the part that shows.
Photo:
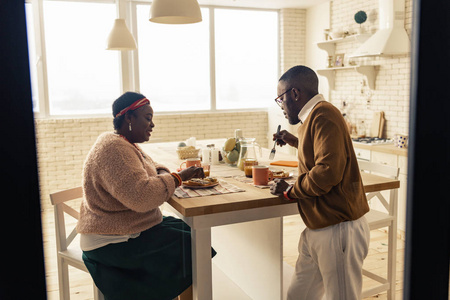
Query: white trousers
(330,260)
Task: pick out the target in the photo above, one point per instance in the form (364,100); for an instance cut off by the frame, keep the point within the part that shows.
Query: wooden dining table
(245,228)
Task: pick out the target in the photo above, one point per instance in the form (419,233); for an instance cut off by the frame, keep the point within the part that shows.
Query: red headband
(134,106)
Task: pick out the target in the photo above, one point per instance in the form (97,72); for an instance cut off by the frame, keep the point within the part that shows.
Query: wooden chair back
(386,171)
(72,256)
(378,219)
(59,200)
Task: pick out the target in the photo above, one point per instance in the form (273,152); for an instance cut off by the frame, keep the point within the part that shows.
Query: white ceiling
(273,4)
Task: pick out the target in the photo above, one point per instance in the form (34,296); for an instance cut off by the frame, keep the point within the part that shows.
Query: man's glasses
(278,99)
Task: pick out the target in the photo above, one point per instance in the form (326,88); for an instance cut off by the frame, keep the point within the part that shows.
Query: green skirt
(154,266)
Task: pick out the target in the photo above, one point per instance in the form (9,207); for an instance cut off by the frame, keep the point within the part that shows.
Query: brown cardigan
(122,189)
(329,188)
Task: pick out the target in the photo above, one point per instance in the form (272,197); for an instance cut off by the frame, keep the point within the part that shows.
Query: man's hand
(279,186)
(284,137)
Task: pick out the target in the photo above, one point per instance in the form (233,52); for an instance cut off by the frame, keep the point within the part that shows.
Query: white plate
(285,177)
(200,186)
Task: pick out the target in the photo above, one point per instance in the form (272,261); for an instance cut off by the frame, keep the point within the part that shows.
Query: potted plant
(360,17)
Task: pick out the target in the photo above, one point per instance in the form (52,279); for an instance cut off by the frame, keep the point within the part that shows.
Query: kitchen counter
(390,148)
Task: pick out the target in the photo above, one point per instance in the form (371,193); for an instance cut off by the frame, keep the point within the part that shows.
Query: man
(329,193)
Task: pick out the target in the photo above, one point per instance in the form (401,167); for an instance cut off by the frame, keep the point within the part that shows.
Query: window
(174,70)
(83,77)
(227,61)
(246,57)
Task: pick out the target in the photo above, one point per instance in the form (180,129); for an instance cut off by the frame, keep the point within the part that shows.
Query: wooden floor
(81,282)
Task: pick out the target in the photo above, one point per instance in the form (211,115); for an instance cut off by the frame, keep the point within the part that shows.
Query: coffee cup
(401,140)
(261,175)
(196,162)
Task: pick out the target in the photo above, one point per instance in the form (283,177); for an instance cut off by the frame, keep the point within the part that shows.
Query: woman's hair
(122,102)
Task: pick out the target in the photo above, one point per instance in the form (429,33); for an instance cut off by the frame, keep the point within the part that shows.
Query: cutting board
(383,120)
(376,128)
(285,163)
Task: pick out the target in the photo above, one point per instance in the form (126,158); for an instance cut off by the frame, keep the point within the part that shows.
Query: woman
(129,248)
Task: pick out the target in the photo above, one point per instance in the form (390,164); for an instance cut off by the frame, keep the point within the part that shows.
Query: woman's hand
(191,172)
(284,137)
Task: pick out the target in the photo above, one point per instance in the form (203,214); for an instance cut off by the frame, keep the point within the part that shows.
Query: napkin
(223,188)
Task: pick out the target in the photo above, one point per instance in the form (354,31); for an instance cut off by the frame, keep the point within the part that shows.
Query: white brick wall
(292,38)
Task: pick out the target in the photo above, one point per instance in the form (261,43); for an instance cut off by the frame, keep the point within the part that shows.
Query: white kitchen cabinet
(362,154)
(403,164)
(401,217)
(384,158)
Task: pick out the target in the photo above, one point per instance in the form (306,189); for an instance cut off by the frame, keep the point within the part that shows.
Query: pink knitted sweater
(122,189)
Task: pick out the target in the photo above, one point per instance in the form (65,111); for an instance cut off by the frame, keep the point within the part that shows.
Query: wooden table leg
(201,264)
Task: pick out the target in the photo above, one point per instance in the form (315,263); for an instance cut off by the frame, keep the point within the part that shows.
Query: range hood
(391,37)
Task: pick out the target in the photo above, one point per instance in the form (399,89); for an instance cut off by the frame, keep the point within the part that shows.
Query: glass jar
(248,151)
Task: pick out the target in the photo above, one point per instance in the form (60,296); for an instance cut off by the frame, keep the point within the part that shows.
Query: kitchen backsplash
(391,93)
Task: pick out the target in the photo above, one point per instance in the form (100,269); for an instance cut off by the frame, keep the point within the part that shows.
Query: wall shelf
(330,45)
(369,73)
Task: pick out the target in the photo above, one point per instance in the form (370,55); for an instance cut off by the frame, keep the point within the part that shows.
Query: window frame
(41,58)
(129,60)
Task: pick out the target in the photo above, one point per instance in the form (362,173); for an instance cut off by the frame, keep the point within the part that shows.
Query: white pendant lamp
(175,11)
(120,38)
